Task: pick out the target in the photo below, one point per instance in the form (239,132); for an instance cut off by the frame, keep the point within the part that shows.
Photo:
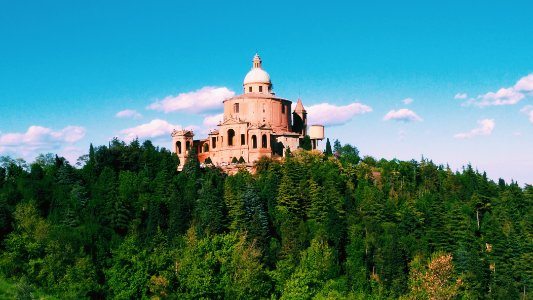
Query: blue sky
(67,68)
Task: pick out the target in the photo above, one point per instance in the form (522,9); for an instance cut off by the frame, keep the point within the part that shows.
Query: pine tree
(210,210)
(256,217)
(328,152)
(305,143)
(192,165)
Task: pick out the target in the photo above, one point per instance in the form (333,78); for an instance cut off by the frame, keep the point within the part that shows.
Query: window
(260,89)
(206,147)
(250,89)
(231,135)
(236,108)
(264,141)
(282,108)
(243,139)
(214,142)
(187,145)
(178,147)
(254,141)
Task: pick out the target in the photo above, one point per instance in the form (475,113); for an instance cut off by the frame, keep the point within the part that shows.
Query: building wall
(274,112)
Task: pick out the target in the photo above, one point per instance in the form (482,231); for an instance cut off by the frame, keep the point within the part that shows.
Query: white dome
(257,75)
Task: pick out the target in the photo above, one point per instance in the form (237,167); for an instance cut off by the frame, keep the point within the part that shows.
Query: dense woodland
(124,224)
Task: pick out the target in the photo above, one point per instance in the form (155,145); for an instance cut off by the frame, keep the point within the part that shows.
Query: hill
(127,225)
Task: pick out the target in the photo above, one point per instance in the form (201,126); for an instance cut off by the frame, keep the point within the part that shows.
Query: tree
(305,143)
(317,266)
(328,152)
(255,216)
(436,280)
(220,267)
(288,152)
(210,210)
(127,278)
(192,165)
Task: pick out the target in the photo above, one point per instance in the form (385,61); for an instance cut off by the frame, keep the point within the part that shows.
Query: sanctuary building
(256,123)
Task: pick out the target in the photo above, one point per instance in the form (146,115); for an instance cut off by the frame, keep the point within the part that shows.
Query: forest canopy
(125,224)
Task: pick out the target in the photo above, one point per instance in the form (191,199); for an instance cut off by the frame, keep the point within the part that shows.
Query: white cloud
(329,114)
(38,139)
(154,129)
(403,115)
(212,121)
(407,101)
(128,113)
(72,153)
(202,100)
(486,126)
(525,84)
(528,110)
(505,96)
(460,96)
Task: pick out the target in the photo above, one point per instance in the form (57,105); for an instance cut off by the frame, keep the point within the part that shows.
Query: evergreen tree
(328,152)
(305,143)
(210,210)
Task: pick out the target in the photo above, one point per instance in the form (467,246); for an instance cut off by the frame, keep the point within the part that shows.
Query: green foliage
(328,152)
(125,224)
(317,266)
(305,143)
(220,266)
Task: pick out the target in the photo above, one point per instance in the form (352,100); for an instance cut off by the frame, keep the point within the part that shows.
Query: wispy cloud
(38,139)
(212,121)
(402,134)
(504,96)
(153,129)
(128,113)
(329,114)
(486,126)
(203,100)
(407,101)
(528,110)
(402,115)
(460,96)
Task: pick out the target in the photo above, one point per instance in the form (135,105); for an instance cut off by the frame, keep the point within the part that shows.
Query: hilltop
(334,225)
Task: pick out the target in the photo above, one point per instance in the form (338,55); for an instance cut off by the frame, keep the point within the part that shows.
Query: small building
(256,123)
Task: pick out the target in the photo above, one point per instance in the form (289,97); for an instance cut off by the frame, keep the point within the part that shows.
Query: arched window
(264,141)
(206,147)
(231,135)
(254,141)
(178,147)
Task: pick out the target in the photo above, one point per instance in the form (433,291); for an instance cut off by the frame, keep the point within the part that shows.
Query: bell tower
(299,119)
(182,141)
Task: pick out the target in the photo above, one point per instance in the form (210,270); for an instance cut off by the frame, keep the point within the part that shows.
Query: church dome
(257,74)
